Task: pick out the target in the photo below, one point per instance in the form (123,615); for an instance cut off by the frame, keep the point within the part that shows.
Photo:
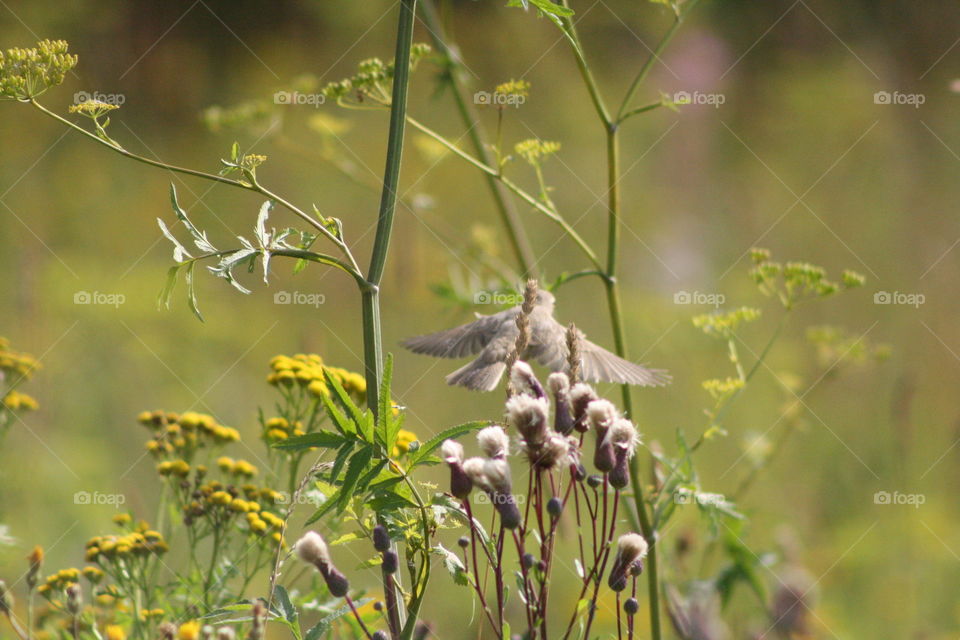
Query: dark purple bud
(554,507)
(381,539)
(579,472)
(631,606)
(390,562)
(337,583)
(464,542)
(380,635)
(594,481)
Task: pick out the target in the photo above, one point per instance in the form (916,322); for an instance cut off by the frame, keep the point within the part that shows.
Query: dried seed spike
(573,354)
(523,324)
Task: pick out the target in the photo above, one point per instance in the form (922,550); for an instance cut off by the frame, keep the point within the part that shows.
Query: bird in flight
(493,337)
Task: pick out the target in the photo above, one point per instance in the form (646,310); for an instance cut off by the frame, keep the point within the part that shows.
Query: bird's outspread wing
(598,365)
(462,341)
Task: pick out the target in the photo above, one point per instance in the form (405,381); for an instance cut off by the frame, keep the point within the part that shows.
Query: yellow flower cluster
(306,371)
(138,543)
(724,324)
(404,440)
(233,467)
(261,523)
(189,631)
(183,434)
(722,388)
(59,581)
(534,150)
(17,401)
(277,429)
(19,364)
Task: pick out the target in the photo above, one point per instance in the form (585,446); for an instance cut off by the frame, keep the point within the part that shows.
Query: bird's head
(545,299)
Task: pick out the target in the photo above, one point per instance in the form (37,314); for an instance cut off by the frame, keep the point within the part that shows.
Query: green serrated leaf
(286,605)
(355,468)
(434,443)
(324,439)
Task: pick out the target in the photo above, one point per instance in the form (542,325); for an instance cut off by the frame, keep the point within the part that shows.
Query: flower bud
(523,380)
(631,606)
(167,631)
(421,631)
(494,442)
(206,632)
(391,562)
(594,481)
(381,539)
(554,507)
(529,561)
(601,415)
(35,559)
(463,542)
(497,473)
(555,451)
(74,599)
(460,484)
(313,550)
(226,633)
(623,439)
(380,635)
(581,395)
(631,549)
(258,623)
(563,420)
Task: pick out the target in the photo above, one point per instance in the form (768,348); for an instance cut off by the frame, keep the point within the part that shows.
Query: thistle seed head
(528,415)
(524,381)
(312,549)
(494,442)
(452,451)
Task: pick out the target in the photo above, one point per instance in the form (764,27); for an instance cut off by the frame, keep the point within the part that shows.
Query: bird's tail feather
(478,376)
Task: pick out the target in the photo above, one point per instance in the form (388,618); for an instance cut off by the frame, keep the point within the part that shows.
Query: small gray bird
(495,336)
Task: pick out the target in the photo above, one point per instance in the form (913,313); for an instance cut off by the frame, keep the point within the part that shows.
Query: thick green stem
(372,339)
(519,241)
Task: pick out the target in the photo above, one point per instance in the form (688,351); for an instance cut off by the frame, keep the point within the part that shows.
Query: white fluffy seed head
(521,374)
(624,435)
(312,549)
(475,468)
(555,451)
(452,451)
(497,473)
(494,442)
(558,383)
(601,414)
(528,415)
(631,547)
(580,392)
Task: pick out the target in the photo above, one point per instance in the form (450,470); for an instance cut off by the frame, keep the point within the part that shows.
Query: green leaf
(325,508)
(453,565)
(317,631)
(364,422)
(325,439)
(192,292)
(286,606)
(163,300)
(358,463)
(340,460)
(339,420)
(434,443)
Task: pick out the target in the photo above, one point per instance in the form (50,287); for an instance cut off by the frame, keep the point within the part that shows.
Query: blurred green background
(799,158)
